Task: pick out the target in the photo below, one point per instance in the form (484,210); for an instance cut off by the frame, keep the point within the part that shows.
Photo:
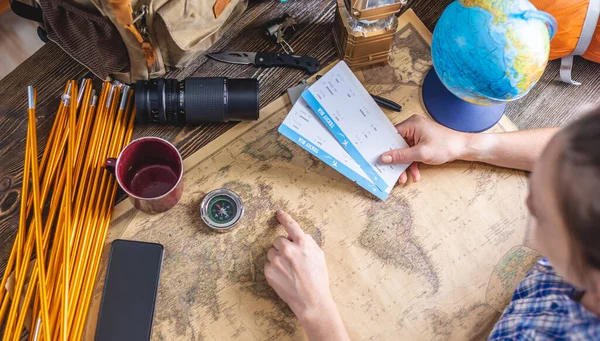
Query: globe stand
(453,112)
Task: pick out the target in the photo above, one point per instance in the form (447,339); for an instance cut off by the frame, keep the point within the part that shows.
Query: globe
(489,52)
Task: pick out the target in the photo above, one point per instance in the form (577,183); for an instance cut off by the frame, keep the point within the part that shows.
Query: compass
(221,209)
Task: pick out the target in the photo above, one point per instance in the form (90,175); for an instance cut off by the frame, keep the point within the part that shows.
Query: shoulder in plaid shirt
(545,307)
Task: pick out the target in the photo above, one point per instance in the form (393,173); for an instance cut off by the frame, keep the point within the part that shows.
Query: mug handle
(110,165)
(545,17)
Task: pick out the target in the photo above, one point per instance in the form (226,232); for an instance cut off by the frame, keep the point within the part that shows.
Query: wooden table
(549,104)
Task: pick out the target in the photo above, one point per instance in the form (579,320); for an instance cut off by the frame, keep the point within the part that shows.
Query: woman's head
(565,200)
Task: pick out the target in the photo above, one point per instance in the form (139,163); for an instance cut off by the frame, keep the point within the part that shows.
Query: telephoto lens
(196,100)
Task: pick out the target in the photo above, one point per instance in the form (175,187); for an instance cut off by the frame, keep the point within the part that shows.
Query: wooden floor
(18,41)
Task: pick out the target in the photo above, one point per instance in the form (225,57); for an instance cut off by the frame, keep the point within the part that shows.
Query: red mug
(149,170)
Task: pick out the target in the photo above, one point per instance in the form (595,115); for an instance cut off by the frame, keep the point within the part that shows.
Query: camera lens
(196,100)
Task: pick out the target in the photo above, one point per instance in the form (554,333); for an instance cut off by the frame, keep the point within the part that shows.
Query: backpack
(130,40)
(578,32)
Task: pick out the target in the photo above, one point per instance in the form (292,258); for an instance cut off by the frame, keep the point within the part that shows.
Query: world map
(437,260)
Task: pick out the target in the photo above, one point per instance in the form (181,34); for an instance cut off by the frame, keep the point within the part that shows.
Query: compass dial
(221,209)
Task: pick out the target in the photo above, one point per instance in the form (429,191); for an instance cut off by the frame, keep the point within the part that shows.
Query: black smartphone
(130,290)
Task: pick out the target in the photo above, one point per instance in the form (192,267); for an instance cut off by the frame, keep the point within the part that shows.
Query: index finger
(291,226)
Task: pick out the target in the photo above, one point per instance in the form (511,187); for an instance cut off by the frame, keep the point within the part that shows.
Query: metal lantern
(364,30)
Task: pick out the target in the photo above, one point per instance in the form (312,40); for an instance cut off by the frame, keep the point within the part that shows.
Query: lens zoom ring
(205,100)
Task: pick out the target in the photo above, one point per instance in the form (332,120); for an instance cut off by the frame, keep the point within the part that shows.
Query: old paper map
(438,260)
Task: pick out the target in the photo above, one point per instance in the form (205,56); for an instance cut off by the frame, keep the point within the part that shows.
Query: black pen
(386,103)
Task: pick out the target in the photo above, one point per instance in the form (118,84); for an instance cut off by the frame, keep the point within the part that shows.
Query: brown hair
(578,188)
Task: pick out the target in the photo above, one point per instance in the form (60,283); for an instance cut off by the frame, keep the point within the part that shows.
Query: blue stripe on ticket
(331,161)
(341,137)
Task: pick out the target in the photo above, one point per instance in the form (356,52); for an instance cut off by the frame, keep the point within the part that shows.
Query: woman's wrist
(477,147)
(323,322)
(312,316)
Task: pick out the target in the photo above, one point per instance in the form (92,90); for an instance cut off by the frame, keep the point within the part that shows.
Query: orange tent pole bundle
(66,208)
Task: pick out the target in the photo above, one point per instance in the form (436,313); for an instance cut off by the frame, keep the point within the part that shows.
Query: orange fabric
(135,33)
(146,46)
(4,6)
(122,10)
(220,6)
(570,15)
(593,51)
(148,53)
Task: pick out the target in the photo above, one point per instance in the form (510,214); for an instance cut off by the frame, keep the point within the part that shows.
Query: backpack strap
(30,13)
(122,10)
(587,33)
(124,15)
(27,11)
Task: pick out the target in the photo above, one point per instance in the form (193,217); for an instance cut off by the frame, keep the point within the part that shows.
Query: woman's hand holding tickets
(297,271)
(429,143)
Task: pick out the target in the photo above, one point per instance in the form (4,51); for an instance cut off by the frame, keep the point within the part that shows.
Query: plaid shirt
(545,307)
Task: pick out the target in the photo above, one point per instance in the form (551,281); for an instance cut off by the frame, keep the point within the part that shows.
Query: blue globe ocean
(491,52)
